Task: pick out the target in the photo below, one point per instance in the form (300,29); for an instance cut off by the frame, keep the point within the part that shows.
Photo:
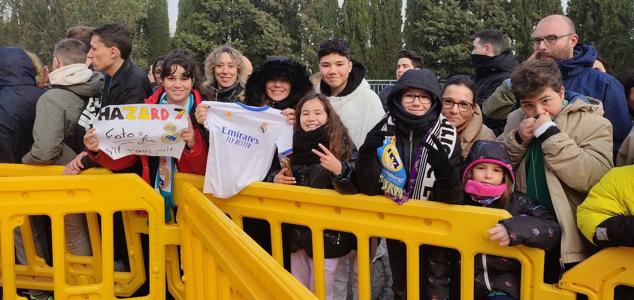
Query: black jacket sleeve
(532,224)
(449,189)
(344,183)
(615,231)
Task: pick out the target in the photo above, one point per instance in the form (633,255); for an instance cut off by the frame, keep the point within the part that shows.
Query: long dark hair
(340,143)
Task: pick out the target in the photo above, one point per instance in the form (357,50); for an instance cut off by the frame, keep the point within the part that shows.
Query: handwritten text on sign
(141,129)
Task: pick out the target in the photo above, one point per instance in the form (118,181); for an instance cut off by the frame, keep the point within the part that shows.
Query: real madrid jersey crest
(242,143)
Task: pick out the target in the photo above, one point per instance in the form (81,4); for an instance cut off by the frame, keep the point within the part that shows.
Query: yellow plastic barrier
(61,195)
(598,275)
(422,222)
(80,269)
(220,261)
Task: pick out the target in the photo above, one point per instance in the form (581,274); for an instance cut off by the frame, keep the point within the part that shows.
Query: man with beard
(554,38)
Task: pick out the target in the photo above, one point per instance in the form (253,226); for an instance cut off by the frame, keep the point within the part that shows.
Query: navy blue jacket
(18,96)
(579,76)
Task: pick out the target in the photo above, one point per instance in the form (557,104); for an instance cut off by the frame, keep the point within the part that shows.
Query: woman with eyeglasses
(414,153)
(459,107)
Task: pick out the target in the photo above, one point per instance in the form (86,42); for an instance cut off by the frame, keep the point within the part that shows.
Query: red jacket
(193,161)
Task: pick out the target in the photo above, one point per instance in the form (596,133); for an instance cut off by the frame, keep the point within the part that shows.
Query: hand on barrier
(289,114)
(328,160)
(90,140)
(499,233)
(75,166)
(282,178)
(201,113)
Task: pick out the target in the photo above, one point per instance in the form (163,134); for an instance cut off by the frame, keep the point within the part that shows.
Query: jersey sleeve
(284,141)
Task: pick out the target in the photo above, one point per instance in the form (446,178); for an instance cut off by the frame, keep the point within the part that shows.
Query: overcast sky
(172,8)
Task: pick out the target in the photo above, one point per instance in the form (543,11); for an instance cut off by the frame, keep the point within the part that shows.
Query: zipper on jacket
(411,142)
(338,236)
(486,273)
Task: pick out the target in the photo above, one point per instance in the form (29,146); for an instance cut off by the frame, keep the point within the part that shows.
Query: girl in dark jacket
(488,181)
(323,157)
(419,161)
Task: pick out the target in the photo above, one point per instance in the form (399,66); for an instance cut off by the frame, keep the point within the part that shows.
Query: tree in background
(386,38)
(493,14)
(156,28)
(206,24)
(609,26)
(308,22)
(525,15)
(356,28)
(442,33)
(37,25)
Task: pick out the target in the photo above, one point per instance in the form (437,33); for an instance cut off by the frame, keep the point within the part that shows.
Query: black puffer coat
(18,96)
(277,68)
(532,225)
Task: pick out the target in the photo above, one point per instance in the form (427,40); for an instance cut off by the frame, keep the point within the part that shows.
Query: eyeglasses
(549,39)
(462,106)
(423,99)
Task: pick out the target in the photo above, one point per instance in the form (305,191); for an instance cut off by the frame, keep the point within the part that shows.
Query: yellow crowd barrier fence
(219,261)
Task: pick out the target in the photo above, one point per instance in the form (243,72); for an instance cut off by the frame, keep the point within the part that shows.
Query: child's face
(548,100)
(335,69)
(312,115)
(488,173)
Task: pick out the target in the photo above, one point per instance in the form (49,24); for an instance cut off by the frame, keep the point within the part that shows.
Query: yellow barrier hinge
(170,234)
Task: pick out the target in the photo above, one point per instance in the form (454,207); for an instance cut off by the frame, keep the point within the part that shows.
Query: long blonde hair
(214,57)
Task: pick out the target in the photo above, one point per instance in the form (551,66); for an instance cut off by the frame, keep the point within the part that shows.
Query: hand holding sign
(188,135)
(90,140)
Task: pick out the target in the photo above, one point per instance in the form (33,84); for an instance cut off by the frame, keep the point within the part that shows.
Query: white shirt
(242,143)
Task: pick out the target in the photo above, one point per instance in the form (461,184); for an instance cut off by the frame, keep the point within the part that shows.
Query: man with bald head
(554,38)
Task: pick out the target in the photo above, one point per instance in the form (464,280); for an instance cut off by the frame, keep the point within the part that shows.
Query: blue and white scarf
(166,168)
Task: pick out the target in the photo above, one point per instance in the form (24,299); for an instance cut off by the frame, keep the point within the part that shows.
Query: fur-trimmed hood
(277,68)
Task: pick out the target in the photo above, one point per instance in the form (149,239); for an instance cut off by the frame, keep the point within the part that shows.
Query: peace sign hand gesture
(328,160)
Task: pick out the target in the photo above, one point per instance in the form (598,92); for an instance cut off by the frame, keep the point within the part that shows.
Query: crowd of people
(539,139)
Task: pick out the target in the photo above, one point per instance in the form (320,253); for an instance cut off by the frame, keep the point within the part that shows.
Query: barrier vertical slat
(211,275)
(276,241)
(107,250)
(318,262)
(8,254)
(413,290)
(467,265)
(59,259)
(363,265)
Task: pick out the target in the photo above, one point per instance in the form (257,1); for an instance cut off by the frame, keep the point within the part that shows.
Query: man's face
(478,48)
(553,40)
(402,65)
(102,56)
(335,69)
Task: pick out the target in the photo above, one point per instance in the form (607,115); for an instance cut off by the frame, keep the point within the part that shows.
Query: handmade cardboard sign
(141,129)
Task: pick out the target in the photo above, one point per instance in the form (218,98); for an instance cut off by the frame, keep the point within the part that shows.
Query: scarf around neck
(419,184)
(164,182)
(305,141)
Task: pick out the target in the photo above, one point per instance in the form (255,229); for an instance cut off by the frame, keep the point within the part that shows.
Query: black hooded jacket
(532,225)
(278,68)
(410,133)
(491,71)
(18,96)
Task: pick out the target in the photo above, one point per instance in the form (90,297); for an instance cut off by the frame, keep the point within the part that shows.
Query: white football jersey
(242,141)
